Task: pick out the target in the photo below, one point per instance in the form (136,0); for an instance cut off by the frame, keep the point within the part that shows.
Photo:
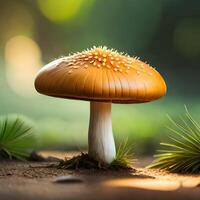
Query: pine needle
(182,154)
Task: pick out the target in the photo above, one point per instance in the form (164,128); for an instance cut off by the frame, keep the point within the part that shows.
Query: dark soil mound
(84,161)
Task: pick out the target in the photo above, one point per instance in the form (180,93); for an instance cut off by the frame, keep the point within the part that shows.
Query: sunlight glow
(148,184)
(23,59)
(192,182)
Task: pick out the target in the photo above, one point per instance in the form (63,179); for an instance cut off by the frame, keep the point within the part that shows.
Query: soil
(35,180)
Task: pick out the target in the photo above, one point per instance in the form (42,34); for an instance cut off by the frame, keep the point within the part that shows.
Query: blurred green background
(165,33)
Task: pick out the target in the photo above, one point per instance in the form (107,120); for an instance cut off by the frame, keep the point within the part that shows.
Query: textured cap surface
(101,74)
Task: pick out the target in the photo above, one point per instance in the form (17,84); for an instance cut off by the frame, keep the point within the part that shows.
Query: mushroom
(103,77)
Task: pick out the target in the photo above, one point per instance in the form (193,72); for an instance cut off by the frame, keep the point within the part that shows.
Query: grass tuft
(124,156)
(182,153)
(16,137)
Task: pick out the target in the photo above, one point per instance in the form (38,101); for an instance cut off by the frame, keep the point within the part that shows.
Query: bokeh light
(62,10)
(187,37)
(23,59)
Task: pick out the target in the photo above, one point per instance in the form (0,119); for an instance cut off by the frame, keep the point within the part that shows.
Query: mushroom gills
(100,138)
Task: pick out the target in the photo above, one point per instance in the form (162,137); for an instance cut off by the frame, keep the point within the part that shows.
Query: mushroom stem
(100,137)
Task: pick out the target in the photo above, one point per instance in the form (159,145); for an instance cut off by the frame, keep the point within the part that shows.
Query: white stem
(100,137)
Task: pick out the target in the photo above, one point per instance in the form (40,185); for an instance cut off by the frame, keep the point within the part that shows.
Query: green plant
(183,152)
(124,155)
(16,137)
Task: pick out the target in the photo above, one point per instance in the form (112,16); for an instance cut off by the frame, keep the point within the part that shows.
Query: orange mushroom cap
(100,74)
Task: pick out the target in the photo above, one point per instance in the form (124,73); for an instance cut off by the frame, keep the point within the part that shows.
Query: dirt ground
(33,180)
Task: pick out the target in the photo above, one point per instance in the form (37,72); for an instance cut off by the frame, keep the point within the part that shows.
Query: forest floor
(34,180)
